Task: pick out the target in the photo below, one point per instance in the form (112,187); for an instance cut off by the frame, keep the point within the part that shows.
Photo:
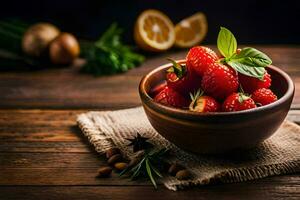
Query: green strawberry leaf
(226,42)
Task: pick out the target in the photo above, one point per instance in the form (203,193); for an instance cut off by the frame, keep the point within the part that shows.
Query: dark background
(253,22)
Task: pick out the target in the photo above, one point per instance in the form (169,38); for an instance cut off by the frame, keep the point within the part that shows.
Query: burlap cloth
(280,154)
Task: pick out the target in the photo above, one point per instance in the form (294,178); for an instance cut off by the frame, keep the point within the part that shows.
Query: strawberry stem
(196,95)
(178,69)
(241,89)
(223,60)
(243,97)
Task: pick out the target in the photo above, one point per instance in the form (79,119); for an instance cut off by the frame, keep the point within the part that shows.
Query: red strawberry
(237,102)
(155,90)
(182,79)
(199,58)
(264,96)
(171,97)
(203,103)
(219,81)
(250,84)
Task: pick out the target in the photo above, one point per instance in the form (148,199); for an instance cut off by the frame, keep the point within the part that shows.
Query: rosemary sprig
(148,165)
(109,55)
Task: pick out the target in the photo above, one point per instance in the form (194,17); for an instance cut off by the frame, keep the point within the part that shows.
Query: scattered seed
(115,158)
(104,171)
(112,151)
(174,168)
(120,166)
(183,174)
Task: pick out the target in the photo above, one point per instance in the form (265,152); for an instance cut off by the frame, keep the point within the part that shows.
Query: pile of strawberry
(237,80)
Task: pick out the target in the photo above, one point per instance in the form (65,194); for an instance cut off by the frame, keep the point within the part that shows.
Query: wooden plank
(66,169)
(51,160)
(56,169)
(60,176)
(26,159)
(50,131)
(294,116)
(296,100)
(40,126)
(49,134)
(45,147)
(279,188)
(66,88)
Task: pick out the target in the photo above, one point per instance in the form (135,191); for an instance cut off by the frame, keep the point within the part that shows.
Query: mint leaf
(226,42)
(250,62)
(253,57)
(244,68)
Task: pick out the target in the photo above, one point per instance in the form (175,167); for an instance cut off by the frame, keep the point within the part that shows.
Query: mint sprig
(250,61)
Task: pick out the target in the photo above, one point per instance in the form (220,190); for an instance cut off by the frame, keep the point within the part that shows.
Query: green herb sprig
(109,55)
(249,61)
(149,165)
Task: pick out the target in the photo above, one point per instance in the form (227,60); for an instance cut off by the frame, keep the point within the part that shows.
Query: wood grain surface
(43,154)
(67,88)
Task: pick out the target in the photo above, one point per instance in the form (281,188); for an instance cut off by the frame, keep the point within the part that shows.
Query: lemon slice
(154,31)
(191,31)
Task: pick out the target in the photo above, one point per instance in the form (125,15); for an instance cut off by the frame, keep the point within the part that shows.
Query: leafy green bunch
(109,55)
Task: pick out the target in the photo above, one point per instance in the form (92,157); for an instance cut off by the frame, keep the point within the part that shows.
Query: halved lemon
(191,31)
(154,31)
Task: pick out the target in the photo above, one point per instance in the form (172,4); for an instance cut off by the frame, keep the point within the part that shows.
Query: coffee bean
(112,151)
(183,174)
(115,158)
(174,168)
(104,171)
(120,166)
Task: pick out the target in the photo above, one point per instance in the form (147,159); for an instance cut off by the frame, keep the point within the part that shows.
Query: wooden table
(43,154)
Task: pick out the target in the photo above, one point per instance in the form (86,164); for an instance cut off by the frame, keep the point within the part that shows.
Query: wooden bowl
(221,131)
